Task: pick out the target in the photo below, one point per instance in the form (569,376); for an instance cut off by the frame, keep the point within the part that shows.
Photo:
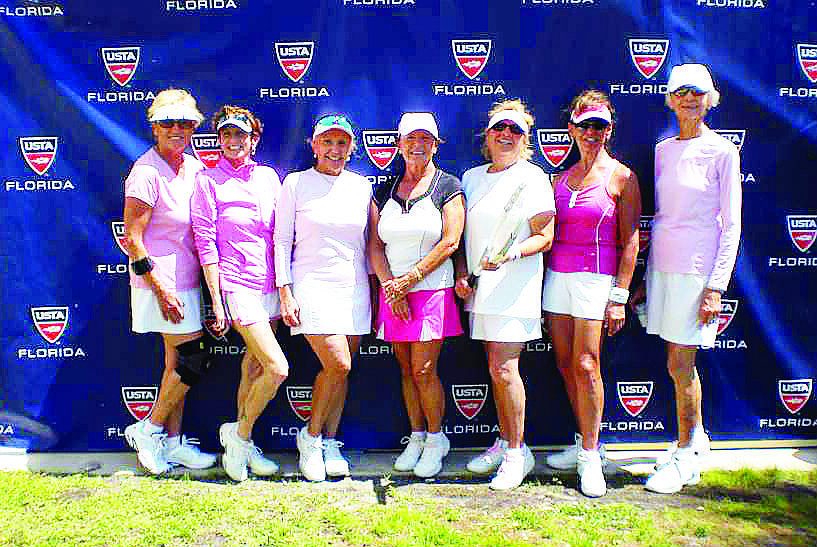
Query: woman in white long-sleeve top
(322,276)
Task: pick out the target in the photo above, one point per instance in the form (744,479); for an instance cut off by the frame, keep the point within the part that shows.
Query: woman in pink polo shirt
(165,295)
(233,214)
(598,206)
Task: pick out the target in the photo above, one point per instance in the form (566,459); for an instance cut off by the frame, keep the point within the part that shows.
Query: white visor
(592,112)
(512,116)
(413,121)
(694,76)
(240,121)
(175,112)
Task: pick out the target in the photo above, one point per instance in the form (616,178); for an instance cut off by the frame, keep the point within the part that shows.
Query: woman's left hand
(614,317)
(400,309)
(396,288)
(710,308)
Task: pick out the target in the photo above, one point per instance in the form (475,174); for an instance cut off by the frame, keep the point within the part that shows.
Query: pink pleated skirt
(434,316)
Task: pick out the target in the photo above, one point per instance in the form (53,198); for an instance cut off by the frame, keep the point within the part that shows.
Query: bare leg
(586,367)
(509,391)
(411,396)
(262,344)
(170,402)
(561,332)
(250,371)
(424,357)
(330,385)
(681,367)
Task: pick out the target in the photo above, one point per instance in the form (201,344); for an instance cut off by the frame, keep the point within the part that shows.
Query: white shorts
(248,307)
(146,316)
(501,328)
(673,300)
(579,294)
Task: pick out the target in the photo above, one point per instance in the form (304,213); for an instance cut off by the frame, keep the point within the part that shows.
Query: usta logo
(794,394)
(735,136)
(555,145)
(802,231)
(38,152)
(729,307)
(471,56)
(648,55)
(300,401)
(380,146)
(206,148)
(294,58)
(469,398)
(634,396)
(139,400)
(121,63)
(807,59)
(50,321)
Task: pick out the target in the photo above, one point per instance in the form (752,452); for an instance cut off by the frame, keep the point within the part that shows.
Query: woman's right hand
(172,308)
(218,324)
(400,309)
(462,288)
(290,311)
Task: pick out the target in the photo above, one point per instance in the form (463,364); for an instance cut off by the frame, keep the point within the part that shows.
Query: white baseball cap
(694,76)
(511,115)
(592,112)
(413,121)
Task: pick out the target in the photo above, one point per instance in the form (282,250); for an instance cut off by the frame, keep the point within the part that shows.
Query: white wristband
(619,295)
(514,252)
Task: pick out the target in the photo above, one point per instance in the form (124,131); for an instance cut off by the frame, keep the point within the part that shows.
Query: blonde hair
(519,106)
(175,96)
(230,110)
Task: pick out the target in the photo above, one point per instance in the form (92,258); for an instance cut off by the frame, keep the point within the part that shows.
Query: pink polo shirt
(168,236)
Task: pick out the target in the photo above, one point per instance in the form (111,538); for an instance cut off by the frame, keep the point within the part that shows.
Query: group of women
(304,252)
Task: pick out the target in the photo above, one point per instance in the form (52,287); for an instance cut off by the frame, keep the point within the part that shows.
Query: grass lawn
(769,508)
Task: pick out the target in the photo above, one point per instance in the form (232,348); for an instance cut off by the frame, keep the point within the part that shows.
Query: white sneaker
(236,451)
(591,477)
(681,470)
(700,444)
(260,465)
(408,459)
(568,458)
(188,455)
(334,462)
(150,448)
(311,456)
(514,468)
(490,460)
(431,460)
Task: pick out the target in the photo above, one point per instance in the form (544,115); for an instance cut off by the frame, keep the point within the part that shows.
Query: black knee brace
(193,360)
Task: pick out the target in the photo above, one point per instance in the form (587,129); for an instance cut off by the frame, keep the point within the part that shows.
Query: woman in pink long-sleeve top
(693,250)
(233,212)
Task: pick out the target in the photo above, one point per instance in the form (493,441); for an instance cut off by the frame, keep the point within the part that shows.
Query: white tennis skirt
(333,310)
(146,316)
(673,300)
(501,328)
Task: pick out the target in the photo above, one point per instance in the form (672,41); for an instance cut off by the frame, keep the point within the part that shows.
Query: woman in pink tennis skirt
(415,224)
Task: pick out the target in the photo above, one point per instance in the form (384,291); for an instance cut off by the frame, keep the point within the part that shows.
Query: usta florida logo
(471,56)
(121,63)
(802,231)
(648,55)
(139,400)
(794,394)
(729,308)
(38,152)
(807,59)
(300,401)
(634,396)
(469,398)
(50,321)
(735,136)
(555,145)
(118,231)
(380,146)
(206,148)
(294,58)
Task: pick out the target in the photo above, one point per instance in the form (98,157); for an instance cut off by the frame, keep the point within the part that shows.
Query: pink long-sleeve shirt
(697,222)
(233,216)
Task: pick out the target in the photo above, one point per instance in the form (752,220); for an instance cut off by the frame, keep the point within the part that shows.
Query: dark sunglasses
(684,90)
(183,124)
(598,125)
(500,127)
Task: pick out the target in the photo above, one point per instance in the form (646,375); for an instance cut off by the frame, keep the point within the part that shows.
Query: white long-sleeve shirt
(697,222)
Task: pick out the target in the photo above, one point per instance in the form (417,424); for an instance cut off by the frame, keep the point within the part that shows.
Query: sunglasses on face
(501,126)
(685,90)
(598,125)
(183,124)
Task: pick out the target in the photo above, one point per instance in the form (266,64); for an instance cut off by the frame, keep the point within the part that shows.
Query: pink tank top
(586,229)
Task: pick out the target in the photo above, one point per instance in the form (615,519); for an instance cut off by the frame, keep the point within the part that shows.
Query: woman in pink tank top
(598,205)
